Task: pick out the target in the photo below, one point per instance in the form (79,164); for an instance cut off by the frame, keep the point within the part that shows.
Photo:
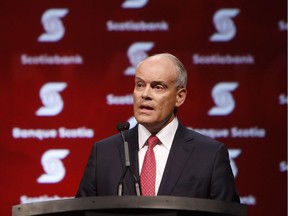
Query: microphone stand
(123,129)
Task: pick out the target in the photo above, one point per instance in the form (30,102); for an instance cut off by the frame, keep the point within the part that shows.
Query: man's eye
(159,87)
(139,84)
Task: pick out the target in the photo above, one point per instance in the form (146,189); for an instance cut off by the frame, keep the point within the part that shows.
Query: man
(187,163)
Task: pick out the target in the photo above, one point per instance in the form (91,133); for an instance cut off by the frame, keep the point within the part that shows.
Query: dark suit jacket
(197,166)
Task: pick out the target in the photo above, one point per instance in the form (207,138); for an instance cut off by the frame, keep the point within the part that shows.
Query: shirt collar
(166,135)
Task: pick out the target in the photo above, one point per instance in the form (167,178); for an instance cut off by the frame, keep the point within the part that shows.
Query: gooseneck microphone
(123,129)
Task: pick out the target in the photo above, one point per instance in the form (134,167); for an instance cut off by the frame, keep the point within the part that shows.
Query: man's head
(160,88)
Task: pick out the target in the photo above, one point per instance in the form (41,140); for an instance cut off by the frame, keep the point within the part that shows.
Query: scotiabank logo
(226,30)
(53,26)
(137,52)
(53,166)
(223,99)
(134,3)
(51,99)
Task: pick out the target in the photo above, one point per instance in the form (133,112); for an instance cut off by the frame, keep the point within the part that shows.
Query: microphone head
(119,127)
(126,125)
(123,126)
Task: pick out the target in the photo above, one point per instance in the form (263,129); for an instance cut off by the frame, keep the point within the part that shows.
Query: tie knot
(152,141)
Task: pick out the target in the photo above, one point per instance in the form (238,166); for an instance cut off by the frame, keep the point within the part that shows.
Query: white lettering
(34,133)
(62,132)
(214,133)
(222,59)
(137,26)
(75,133)
(119,100)
(234,132)
(253,132)
(56,59)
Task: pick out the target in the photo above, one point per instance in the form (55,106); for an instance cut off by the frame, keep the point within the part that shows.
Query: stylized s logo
(137,52)
(53,26)
(223,98)
(51,99)
(224,25)
(53,166)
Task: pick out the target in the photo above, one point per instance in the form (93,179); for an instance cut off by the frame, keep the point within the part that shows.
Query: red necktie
(148,172)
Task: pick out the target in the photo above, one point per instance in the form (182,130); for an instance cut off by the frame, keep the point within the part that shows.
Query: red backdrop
(67,77)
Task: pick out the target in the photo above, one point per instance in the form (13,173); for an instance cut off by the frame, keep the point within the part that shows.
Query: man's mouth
(146,107)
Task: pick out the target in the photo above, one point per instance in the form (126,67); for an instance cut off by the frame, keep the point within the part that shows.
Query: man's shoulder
(197,137)
(115,138)
(110,139)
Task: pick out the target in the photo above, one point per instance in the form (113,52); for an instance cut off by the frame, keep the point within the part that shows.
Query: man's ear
(181,96)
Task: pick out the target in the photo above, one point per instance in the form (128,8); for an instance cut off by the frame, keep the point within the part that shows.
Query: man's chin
(148,123)
(144,120)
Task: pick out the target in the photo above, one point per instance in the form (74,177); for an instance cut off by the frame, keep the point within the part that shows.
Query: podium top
(141,203)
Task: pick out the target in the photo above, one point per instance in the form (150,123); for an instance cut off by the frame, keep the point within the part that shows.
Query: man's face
(156,94)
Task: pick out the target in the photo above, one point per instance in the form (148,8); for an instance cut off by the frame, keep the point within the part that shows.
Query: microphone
(123,129)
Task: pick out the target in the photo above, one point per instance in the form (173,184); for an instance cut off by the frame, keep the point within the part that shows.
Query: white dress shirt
(161,151)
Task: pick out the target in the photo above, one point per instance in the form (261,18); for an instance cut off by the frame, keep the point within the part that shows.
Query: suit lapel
(180,152)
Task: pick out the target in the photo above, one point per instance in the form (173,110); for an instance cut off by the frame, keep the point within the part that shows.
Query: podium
(131,205)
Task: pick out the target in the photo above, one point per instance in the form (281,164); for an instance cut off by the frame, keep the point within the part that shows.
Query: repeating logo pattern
(86,84)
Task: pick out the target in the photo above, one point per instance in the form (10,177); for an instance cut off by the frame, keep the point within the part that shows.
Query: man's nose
(146,92)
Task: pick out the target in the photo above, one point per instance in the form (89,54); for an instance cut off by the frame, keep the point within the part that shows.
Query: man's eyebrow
(158,82)
(153,83)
